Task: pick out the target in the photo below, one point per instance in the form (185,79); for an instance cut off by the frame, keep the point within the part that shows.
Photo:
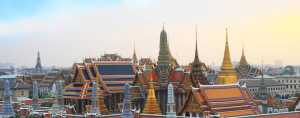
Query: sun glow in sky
(65,31)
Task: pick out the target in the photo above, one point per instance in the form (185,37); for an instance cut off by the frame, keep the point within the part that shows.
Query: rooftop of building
(227,100)
(257,82)
(294,114)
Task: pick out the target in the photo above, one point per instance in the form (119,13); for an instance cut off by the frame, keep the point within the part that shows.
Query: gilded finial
(226,30)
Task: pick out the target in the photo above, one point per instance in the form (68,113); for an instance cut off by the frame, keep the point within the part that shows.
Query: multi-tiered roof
(225,100)
(111,76)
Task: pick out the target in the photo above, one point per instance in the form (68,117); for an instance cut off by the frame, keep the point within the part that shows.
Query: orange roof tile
(237,113)
(228,100)
(222,93)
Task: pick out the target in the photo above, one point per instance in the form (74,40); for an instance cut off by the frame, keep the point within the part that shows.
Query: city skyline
(66,32)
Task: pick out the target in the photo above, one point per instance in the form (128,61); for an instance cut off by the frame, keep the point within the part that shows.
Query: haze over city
(67,31)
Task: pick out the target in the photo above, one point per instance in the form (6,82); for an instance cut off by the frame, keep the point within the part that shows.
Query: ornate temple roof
(226,100)
(111,77)
(176,76)
(243,60)
(245,70)
(199,69)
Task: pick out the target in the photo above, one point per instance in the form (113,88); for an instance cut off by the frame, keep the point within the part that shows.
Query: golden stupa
(151,105)
(227,74)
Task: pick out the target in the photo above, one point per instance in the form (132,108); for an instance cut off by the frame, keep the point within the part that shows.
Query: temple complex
(227,75)
(115,87)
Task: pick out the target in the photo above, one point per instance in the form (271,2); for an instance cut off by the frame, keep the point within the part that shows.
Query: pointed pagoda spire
(164,57)
(227,60)
(196,59)
(38,66)
(228,74)
(151,105)
(198,68)
(164,51)
(243,60)
(134,57)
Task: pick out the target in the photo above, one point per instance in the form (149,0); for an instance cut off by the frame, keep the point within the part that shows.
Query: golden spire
(226,60)
(227,74)
(151,105)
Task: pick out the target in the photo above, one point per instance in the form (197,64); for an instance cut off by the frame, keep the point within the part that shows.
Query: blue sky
(11,10)
(66,31)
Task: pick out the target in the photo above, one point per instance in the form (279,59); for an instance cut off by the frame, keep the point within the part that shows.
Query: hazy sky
(65,31)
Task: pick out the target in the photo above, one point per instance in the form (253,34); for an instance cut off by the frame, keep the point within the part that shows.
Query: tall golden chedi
(151,105)
(227,75)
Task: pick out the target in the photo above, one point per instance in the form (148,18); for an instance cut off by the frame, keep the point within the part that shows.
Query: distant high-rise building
(227,75)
